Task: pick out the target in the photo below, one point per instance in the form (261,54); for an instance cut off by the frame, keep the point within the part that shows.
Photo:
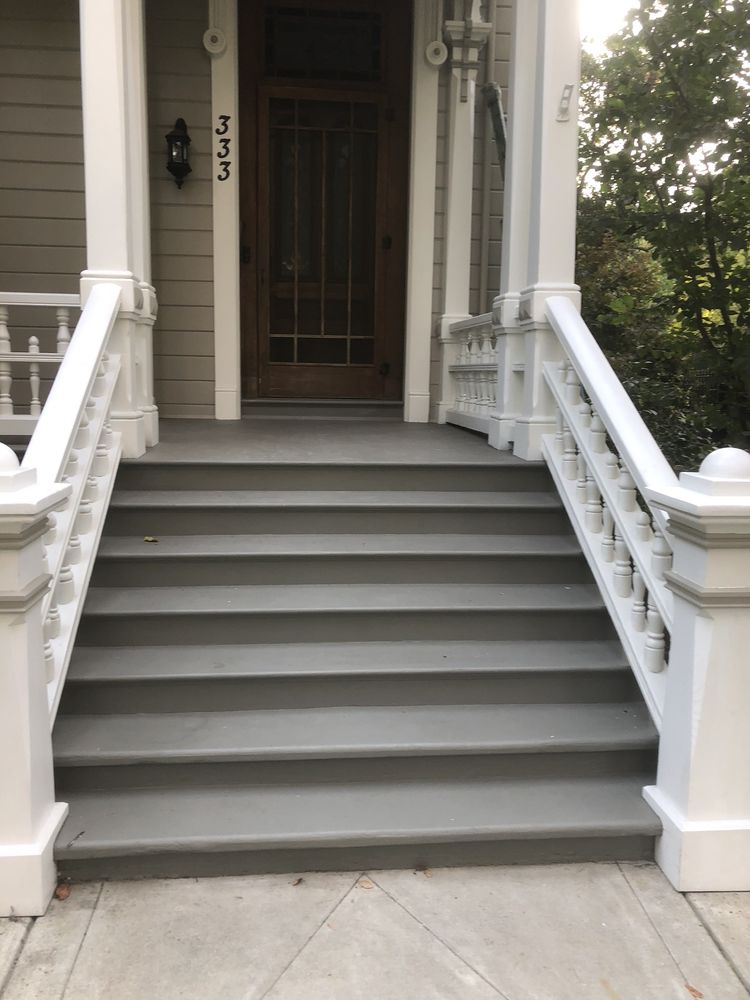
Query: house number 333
(225,148)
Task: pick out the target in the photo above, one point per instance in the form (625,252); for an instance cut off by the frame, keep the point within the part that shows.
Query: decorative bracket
(466,35)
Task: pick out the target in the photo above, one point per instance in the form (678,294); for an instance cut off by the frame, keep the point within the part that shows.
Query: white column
(426,57)
(115,137)
(702,791)
(465,34)
(220,41)
(516,215)
(552,222)
(30,819)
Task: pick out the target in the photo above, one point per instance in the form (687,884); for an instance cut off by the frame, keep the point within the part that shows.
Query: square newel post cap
(22,497)
(720,489)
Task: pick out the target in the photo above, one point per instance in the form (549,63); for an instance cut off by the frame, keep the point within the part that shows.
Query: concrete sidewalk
(565,932)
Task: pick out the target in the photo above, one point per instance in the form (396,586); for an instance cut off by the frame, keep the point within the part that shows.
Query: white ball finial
(8,460)
(727,463)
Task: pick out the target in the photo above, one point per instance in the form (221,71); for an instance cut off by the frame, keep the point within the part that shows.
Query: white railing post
(552,219)
(702,791)
(117,202)
(29,816)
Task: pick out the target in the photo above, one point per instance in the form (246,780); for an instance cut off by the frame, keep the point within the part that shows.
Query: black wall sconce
(178,152)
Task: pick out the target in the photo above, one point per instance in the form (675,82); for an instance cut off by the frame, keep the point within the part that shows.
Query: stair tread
(143,821)
(123,663)
(311,598)
(312,499)
(287,734)
(233,546)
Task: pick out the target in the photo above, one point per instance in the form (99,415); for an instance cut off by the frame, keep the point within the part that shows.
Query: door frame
(221,43)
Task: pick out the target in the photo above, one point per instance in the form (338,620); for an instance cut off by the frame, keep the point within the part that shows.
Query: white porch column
(552,221)
(424,118)
(702,791)
(465,34)
(115,137)
(516,216)
(29,816)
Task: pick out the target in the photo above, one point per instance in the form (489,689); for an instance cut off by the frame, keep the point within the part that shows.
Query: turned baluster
(655,641)
(572,387)
(83,432)
(581,481)
(612,466)
(486,349)
(584,413)
(593,517)
(597,434)
(492,388)
(626,490)
(643,526)
(570,456)
(6,378)
(66,588)
(474,349)
(100,382)
(661,554)
(63,330)
(623,572)
(85,515)
(73,553)
(35,406)
(608,537)
(638,611)
(559,424)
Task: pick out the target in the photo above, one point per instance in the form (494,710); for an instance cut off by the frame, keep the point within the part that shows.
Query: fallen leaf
(427,873)
(62,891)
(151,539)
(365,884)
(298,881)
(693,992)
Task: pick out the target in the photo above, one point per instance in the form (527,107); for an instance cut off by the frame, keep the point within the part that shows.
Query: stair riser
(418,857)
(358,626)
(195,774)
(331,477)
(217,694)
(157,521)
(238,571)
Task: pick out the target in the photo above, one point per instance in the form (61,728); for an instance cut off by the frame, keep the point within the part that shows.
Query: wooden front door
(325,148)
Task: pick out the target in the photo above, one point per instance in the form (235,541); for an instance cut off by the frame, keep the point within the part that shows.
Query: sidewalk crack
(442,941)
(83,938)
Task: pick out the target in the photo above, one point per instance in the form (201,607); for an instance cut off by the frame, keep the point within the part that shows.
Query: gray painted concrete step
(144,821)
(339,499)
(324,733)
(180,560)
(341,659)
(457,476)
(394,599)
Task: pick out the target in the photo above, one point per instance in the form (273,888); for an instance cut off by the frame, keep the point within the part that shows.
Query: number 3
(224,126)
(224,176)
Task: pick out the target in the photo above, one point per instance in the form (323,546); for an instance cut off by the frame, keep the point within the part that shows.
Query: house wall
(42,222)
(42,228)
(179,86)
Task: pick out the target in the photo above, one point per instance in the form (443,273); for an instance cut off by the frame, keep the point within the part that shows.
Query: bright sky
(602,18)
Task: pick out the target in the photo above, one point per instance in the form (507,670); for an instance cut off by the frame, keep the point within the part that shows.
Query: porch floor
(335,440)
(565,932)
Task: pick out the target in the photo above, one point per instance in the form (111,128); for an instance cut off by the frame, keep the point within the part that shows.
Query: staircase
(312,665)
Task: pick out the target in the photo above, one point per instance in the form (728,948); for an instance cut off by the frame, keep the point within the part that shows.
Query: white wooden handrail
(606,464)
(50,300)
(634,442)
(74,453)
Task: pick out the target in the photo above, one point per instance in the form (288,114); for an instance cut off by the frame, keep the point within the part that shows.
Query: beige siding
(179,86)
(42,229)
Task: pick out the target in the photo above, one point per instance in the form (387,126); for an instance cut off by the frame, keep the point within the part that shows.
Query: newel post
(29,816)
(702,791)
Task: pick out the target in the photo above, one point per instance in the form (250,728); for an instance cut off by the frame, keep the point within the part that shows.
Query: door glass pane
(323,181)
(323,44)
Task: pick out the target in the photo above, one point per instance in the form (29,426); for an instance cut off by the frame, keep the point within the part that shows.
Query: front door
(325,142)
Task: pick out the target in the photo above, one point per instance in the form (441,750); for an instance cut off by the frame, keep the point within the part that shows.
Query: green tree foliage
(665,207)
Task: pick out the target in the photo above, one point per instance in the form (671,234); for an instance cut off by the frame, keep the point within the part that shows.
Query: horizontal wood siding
(42,219)
(179,86)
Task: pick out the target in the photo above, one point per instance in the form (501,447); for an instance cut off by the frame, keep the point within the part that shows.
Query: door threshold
(323,409)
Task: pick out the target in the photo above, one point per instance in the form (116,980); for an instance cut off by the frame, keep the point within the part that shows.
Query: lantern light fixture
(178,152)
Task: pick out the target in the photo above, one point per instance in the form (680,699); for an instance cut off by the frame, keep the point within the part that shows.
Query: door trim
(223,26)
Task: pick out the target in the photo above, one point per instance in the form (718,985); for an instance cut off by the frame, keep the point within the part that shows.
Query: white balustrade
(26,369)
(605,462)
(473,373)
